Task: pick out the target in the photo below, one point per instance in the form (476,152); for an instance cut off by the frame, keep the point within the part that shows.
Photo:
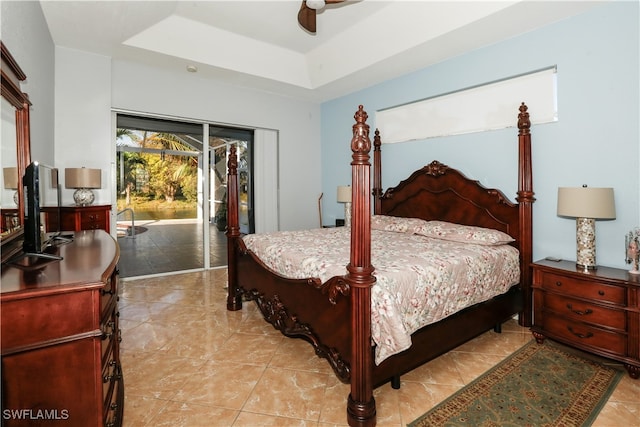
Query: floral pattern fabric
(463,233)
(419,280)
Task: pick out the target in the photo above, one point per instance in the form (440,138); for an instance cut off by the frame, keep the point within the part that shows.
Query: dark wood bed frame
(335,316)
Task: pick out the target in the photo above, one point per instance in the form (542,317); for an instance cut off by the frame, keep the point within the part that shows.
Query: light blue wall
(594,142)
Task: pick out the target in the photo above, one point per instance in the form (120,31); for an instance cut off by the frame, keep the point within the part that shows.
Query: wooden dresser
(60,337)
(597,311)
(76,218)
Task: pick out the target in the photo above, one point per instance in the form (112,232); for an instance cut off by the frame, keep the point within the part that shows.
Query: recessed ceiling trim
(184,38)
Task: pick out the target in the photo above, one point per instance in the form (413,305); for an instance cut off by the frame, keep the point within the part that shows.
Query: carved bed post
(525,203)
(234,299)
(361,407)
(377,173)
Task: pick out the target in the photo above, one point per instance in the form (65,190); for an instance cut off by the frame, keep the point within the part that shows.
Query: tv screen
(42,207)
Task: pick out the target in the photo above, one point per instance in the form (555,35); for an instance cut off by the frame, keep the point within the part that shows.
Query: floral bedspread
(419,280)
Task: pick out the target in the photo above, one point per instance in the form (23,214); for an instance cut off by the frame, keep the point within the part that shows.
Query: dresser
(596,311)
(60,337)
(76,218)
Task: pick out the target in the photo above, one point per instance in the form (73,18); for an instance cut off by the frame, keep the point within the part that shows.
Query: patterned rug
(538,385)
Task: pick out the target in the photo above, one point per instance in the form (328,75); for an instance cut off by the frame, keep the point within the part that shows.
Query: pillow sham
(463,233)
(395,223)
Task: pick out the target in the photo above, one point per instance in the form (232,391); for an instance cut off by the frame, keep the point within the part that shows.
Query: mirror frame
(12,75)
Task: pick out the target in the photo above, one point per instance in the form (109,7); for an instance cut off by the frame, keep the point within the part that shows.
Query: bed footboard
(300,308)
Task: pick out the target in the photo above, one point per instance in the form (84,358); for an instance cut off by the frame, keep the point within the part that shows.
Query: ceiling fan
(308,10)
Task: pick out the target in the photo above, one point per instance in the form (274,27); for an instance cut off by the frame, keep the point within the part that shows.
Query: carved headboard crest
(435,168)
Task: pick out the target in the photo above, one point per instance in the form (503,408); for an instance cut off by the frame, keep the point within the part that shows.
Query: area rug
(538,385)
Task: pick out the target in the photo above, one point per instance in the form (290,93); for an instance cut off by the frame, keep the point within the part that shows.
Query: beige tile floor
(189,362)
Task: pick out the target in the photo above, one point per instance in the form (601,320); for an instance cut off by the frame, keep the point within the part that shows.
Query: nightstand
(76,218)
(597,311)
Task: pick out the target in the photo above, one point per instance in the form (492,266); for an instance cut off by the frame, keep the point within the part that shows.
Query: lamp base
(83,197)
(586,243)
(347,214)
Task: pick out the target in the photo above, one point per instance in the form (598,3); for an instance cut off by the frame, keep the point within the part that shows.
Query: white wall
(142,88)
(87,86)
(83,118)
(24,32)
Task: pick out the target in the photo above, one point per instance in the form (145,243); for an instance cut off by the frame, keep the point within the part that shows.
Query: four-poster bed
(335,313)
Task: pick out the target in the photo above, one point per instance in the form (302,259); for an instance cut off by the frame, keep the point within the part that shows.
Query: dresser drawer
(583,289)
(107,347)
(93,220)
(585,311)
(585,335)
(112,409)
(108,294)
(110,376)
(110,335)
(40,320)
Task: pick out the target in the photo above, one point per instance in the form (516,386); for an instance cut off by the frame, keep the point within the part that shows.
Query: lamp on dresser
(83,180)
(586,204)
(10,178)
(344,196)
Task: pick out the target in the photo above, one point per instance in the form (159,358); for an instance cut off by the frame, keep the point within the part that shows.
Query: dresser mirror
(14,155)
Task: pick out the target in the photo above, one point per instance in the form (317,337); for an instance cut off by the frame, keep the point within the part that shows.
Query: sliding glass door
(221,140)
(167,220)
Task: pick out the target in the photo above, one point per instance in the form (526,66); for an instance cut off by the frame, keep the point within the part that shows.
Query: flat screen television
(42,209)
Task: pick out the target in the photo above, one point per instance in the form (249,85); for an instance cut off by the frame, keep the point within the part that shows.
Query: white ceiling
(260,44)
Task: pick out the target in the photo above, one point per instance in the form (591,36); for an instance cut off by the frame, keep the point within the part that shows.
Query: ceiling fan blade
(307,17)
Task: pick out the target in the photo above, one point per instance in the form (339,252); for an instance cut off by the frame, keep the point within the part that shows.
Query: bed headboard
(438,192)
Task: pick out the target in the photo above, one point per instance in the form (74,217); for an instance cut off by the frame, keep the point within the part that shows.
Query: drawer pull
(580,312)
(601,293)
(579,335)
(558,283)
(115,375)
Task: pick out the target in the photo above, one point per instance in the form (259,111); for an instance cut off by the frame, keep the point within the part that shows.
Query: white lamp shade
(315,4)
(10,177)
(344,194)
(586,202)
(82,178)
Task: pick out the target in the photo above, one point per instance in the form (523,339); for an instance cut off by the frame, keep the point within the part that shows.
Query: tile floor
(189,362)
(168,246)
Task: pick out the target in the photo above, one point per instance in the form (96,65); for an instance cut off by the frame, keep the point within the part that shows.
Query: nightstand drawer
(583,289)
(585,312)
(94,220)
(585,335)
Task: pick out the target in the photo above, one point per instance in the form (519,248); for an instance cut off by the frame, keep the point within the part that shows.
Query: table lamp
(11,182)
(83,179)
(344,196)
(586,204)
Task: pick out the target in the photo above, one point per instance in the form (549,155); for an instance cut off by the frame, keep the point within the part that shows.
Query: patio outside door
(161,195)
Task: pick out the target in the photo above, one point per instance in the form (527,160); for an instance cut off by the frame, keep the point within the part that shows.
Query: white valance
(480,108)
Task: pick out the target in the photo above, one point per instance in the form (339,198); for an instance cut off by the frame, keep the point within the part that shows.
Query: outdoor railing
(133,223)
